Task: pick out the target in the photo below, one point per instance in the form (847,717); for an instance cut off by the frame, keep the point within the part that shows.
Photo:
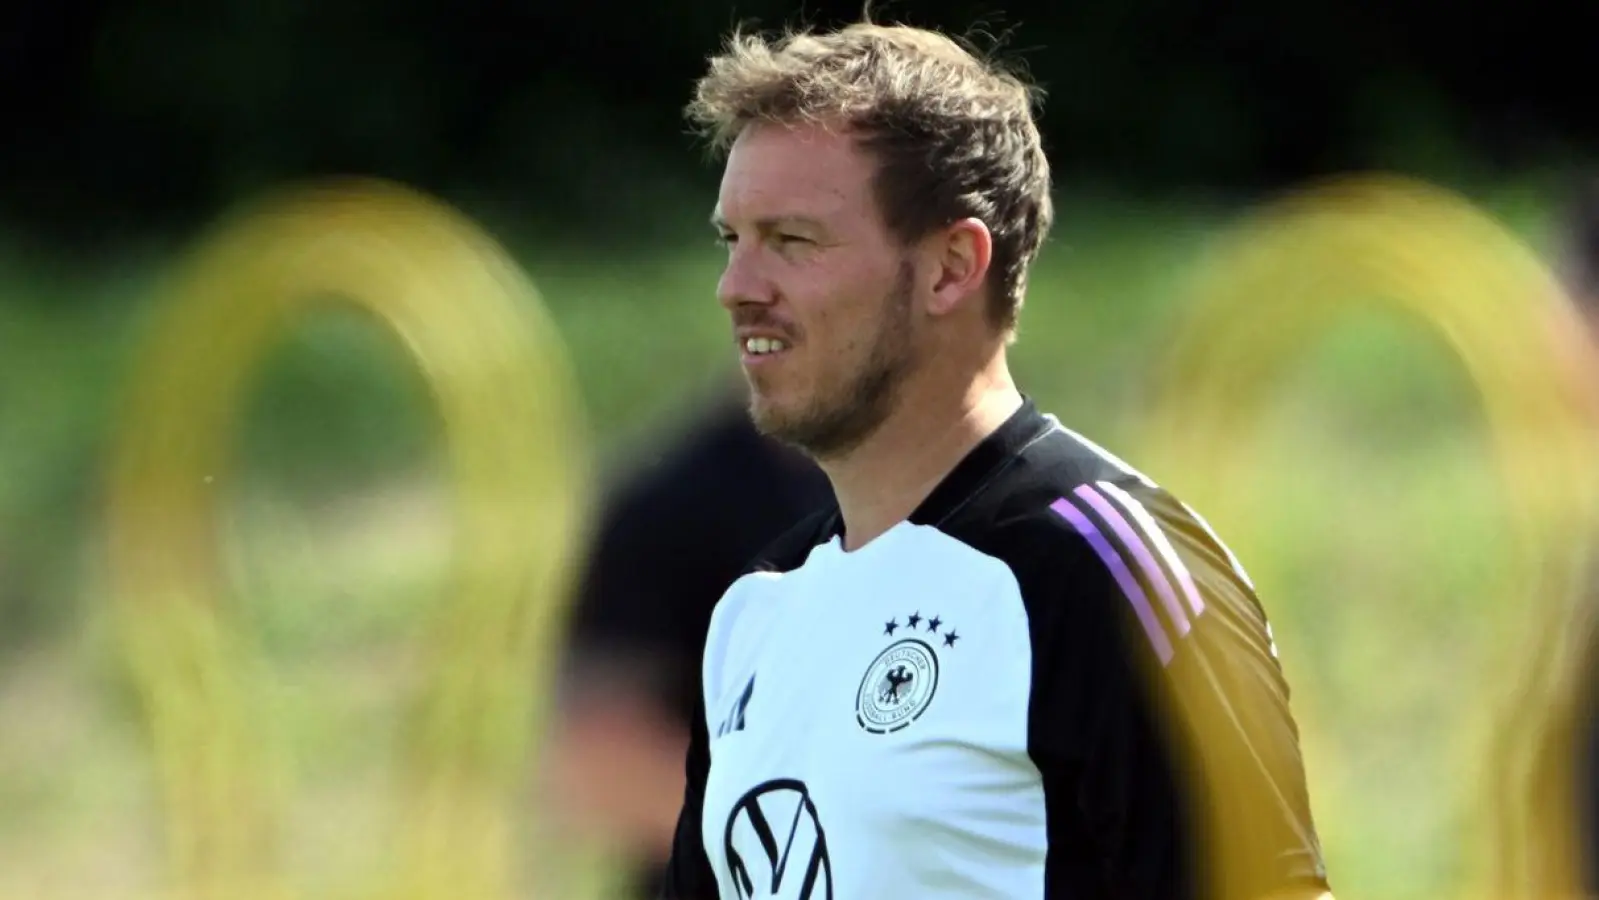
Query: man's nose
(742,282)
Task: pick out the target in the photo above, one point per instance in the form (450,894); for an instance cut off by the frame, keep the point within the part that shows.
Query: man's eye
(792,239)
(726,240)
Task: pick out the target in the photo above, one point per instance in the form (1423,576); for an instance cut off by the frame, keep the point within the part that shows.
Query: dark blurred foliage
(132,123)
(129,116)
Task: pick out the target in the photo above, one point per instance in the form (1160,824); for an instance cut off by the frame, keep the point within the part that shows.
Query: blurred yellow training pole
(1415,251)
(497,369)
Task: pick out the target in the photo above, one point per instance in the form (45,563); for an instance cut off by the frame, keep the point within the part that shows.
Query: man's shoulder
(789,550)
(783,555)
(743,597)
(1073,522)
(1030,512)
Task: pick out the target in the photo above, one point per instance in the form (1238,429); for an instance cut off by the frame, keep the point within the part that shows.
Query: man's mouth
(764,346)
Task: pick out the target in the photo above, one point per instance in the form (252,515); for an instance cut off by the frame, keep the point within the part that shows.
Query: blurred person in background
(673,534)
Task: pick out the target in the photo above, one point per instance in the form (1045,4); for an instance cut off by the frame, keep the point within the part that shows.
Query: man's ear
(961,254)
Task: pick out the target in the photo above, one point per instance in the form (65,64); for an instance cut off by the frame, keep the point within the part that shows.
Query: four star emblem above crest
(931,626)
(900,683)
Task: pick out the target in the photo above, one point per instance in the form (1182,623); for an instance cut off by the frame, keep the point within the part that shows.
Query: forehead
(801,171)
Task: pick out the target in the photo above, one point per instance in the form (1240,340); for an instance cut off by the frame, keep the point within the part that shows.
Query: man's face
(821,294)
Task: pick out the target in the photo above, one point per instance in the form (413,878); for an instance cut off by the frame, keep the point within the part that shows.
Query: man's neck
(879,484)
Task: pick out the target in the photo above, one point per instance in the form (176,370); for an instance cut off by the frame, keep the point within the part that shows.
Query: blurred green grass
(1373,531)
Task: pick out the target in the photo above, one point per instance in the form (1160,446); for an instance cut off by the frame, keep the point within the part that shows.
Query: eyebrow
(770,223)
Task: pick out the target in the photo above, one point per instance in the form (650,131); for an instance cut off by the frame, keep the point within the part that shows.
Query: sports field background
(1376,537)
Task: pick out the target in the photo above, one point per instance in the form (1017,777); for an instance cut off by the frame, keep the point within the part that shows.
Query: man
(675,533)
(1003,664)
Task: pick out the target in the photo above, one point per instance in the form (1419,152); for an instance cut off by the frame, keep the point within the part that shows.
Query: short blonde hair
(953,133)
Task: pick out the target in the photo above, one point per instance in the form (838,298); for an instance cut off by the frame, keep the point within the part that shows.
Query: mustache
(762,318)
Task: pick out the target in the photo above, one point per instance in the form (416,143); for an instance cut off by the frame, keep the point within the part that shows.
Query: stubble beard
(839,420)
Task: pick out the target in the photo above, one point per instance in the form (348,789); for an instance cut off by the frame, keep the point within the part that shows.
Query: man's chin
(769,419)
(778,421)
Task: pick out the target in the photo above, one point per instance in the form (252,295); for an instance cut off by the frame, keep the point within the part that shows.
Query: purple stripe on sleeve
(1141,552)
(1152,530)
(1129,585)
